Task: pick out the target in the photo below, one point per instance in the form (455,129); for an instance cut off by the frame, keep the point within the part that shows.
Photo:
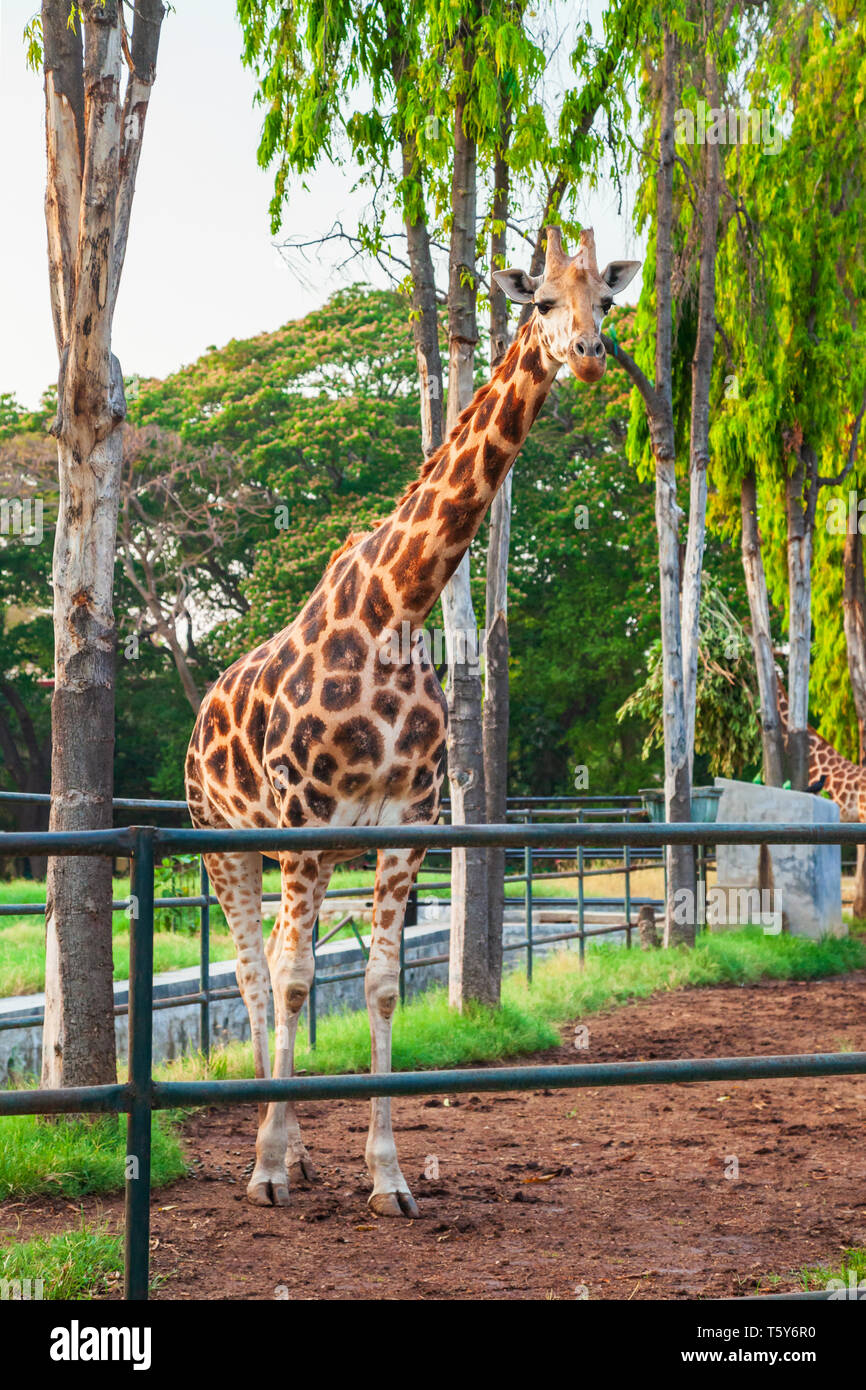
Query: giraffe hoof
(265,1193)
(393,1204)
(302,1170)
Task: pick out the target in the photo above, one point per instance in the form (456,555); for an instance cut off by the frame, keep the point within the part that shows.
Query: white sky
(201,267)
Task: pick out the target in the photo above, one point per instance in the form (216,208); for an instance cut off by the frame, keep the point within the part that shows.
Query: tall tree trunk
(762,644)
(854,616)
(800,622)
(469,972)
(681,898)
(425,320)
(496,707)
(93,146)
(702,367)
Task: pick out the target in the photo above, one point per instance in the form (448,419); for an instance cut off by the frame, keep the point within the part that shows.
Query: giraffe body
(321,726)
(843,781)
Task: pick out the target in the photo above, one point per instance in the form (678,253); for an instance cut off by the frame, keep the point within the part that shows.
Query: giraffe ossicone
(313,728)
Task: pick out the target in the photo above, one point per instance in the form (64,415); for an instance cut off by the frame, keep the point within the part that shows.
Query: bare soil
(671,1192)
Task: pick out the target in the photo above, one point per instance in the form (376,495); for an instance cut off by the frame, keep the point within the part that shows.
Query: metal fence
(525,810)
(141,1094)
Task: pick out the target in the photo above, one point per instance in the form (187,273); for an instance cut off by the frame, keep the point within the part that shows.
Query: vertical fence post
(527,870)
(581,916)
(137,1197)
(626,854)
(204,972)
(311,1004)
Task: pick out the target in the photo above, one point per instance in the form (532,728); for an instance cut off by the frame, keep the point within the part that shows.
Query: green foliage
(727,730)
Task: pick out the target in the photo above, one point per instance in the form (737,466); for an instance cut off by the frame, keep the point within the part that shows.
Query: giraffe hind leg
(237,881)
(281,1157)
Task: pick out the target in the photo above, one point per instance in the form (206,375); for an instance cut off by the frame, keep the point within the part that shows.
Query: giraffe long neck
(400,570)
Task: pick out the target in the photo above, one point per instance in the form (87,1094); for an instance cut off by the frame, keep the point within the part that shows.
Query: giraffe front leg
(395,874)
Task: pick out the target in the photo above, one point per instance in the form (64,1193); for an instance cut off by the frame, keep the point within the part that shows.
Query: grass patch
(852,1270)
(76,1264)
(428,1034)
(71,1157)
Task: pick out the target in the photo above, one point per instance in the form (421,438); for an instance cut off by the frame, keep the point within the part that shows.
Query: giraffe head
(571,299)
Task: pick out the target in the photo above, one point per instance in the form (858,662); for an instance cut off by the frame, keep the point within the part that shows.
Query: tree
(94,133)
(657,398)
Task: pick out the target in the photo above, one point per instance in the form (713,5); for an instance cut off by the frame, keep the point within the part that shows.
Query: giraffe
(844,781)
(319,726)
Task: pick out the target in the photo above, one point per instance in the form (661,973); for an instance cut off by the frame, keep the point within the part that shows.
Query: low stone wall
(801,884)
(176,1030)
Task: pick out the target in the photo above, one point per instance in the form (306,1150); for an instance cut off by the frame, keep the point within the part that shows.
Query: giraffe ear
(618,274)
(517,284)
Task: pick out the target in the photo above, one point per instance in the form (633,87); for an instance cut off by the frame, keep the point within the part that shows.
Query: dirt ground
(620,1190)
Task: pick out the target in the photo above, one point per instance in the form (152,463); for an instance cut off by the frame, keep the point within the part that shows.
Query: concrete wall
(806,879)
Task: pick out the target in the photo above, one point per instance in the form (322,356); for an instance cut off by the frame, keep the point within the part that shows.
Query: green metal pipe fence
(523,809)
(142,1094)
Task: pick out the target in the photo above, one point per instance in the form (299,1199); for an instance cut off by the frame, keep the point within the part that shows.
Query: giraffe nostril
(599,348)
(580,348)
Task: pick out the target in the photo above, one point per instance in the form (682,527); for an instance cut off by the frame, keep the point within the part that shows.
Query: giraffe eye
(544,306)
(606,305)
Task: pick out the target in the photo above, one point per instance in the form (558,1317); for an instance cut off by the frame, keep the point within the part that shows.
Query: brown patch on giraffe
(376,609)
(353,782)
(421,810)
(485,413)
(324,768)
(295,811)
(359,741)
(272,673)
(423,779)
(216,722)
(394,542)
(532,364)
(459,519)
(319,803)
(404,678)
(386,917)
(218,762)
(494,461)
(509,417)
(510,360)
(341,692)
(308,733)
(420,728)
(346,594)
(387,705)
(373,544)
(314,620)
(397,778)
(344,650)
(278,725)
(424,509)
(299,686)
(463,466)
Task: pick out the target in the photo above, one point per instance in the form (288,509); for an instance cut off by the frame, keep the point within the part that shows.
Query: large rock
(806,880)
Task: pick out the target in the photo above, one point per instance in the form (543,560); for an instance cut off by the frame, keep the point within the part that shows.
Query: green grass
(428,1034)
(818,1276)
(72,1264)
(71,1157)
